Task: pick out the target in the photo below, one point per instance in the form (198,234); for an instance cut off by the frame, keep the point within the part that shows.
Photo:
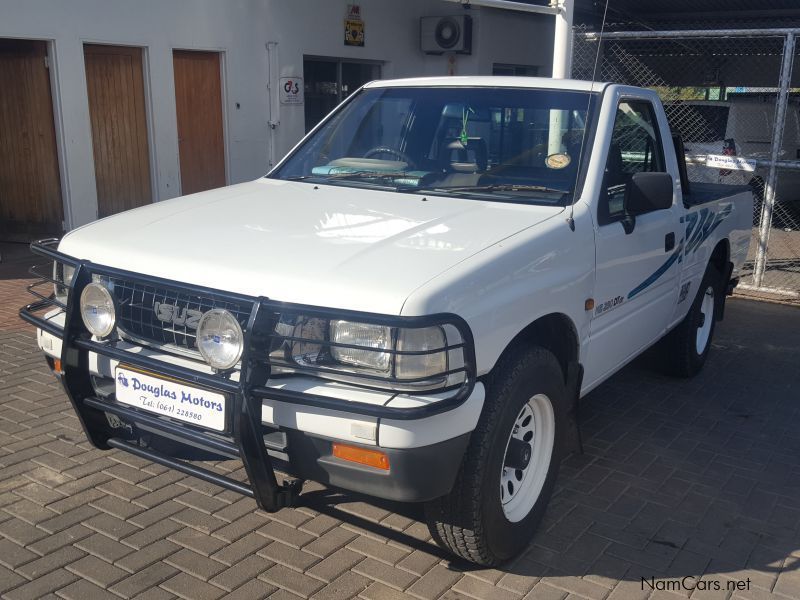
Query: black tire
(679,354)
(470,521)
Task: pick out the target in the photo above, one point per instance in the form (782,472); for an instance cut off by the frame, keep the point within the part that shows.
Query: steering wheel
(387,150)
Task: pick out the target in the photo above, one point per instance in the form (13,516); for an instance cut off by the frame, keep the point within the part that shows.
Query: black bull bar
(243,437)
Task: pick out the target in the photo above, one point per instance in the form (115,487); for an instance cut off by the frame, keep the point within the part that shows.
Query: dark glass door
(328,81)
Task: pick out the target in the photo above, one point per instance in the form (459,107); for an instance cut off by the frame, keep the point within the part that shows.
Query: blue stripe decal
(661,270)
(699,225)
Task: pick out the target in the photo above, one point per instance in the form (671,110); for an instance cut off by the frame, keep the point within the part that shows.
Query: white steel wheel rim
(707,310)
(520,488)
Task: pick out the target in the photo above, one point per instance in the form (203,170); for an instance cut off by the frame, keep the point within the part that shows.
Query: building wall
(261,40)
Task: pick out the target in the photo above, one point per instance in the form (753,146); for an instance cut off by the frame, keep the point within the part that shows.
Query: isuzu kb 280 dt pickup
(409,305)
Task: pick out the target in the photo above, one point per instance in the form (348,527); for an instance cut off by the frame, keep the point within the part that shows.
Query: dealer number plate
(171,398)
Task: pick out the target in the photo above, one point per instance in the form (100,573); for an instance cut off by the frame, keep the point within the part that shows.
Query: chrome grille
(137,312)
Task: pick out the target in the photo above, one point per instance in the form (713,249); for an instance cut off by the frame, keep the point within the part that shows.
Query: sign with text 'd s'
(291,90)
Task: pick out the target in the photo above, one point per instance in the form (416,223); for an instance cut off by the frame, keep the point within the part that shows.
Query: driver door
(636,269)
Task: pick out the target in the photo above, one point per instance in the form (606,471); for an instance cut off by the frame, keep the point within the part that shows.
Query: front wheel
(511,465)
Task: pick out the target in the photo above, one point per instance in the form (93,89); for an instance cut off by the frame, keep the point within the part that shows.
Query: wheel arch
(555,332)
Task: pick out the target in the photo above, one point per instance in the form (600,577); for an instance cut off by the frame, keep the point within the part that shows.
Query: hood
(324,245)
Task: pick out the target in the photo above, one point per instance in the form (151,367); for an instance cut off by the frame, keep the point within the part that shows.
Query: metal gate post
(768,205)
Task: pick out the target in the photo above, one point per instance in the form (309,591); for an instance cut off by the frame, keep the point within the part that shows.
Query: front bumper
(292,420)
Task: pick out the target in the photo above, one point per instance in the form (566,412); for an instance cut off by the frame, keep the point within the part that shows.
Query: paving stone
(288,579)
(111,526)
(434,582)
(255,589)
(330,567)
(190,588)
(41,586)
(66,537)
(378,591)
(21,532)
(391,576)
(285,534)
(545,591)
(289,556)
(12,555)
(330,541)
(55,560)
(103,547)
(138,559)
(143,580)
(377,550)
(195,540)
(474,587)
(347,585)
(97,571)
(9,579)
(244,547)
(194,564)
(157,531)
(243,571)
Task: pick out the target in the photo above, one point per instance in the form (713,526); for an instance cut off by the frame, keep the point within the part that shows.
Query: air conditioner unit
(446,34)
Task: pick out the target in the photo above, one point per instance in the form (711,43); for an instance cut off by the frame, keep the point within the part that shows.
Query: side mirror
(646,192)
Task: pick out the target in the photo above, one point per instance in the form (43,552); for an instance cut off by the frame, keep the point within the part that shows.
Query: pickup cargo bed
(703,193)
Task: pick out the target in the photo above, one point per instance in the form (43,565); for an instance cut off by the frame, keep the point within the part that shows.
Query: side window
(635,148)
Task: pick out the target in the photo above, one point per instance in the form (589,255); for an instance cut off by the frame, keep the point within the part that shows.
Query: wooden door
(115,82)
(198,103)
(30,185)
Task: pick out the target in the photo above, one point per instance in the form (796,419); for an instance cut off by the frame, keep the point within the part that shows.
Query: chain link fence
(728,93)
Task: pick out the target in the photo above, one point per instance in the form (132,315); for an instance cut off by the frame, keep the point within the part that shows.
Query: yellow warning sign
(353,32)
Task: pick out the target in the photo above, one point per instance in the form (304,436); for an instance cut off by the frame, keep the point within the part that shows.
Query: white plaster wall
(241,29)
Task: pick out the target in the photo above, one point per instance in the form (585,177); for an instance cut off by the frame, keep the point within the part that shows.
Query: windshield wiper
(503,187)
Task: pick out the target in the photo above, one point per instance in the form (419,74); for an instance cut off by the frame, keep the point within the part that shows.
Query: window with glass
(635,148)
(506,144)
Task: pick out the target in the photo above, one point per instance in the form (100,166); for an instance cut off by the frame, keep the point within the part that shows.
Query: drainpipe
(273,77)
(562,65)
(562,43)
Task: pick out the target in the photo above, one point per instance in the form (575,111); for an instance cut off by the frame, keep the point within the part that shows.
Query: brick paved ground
(680,478)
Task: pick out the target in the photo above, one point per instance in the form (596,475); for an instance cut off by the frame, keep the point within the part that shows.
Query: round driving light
(220,339)
(97,310)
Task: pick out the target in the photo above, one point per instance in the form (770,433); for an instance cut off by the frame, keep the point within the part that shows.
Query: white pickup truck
(409,305)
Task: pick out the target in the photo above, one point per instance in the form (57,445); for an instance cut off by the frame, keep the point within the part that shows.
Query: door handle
(669,241)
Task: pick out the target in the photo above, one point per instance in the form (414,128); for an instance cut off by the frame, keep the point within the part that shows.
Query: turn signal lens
(364,456)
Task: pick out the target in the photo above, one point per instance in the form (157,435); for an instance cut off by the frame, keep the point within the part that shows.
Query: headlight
(420,352)
(366,336)
(410,359)
(97,310)
(220,339)
(426,340)
(62,276)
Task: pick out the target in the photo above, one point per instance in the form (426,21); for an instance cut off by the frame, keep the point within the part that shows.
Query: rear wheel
(510,467)
(685,349)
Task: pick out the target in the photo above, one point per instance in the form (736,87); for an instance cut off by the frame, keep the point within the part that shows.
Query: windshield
(507,144)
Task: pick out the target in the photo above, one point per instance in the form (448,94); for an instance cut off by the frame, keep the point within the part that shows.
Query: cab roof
(493,81)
